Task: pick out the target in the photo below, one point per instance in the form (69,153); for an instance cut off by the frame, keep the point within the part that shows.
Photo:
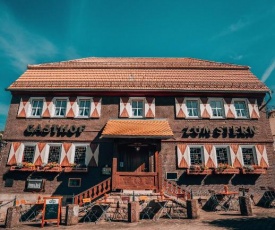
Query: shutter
(229,108)
(183,156)
(47,107)
(253,108)
(209,156)
(125,108)
(71,107)
(236,156)
(39,153)
(16,153)
(149,107)
(205,108)
(23,107)
(180,107)
(262,156)
(65,154)
(95,107)
(92,154)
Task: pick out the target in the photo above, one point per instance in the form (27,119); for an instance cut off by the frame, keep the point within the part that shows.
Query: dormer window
(60,107)
(36,107)
(137,108)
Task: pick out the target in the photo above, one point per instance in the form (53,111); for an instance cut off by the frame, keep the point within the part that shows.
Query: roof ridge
(138,62)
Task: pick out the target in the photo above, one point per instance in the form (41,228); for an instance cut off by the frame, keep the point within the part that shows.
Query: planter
(49,169)
(227,171)
(199,172)
(22,169)
(75,169)
(255,171)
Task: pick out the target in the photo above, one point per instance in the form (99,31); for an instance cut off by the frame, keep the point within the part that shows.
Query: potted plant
(52,167)
(198,169)
(253,169)
(226,169)
(23,166)
(76,168)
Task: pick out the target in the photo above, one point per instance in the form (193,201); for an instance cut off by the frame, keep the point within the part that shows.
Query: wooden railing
(94,192)
(136,180)
(172,189)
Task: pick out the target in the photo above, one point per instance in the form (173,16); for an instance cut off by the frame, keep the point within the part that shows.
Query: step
(137,192)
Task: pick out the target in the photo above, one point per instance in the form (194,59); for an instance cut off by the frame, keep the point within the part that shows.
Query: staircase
(173,191)
(94,192)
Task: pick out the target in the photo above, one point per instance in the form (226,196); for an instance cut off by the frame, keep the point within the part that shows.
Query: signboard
(51,210)
(59,130)
(233,131)
(35,184)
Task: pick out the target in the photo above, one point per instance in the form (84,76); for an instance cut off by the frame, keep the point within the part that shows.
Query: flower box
(49,169)
(25,169)
(255,171)
(75,169)
(227,171)
(199,171)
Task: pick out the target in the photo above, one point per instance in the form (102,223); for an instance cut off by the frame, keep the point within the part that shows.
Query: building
(135,124)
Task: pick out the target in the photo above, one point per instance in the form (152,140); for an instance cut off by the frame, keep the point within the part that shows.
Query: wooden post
(114,167)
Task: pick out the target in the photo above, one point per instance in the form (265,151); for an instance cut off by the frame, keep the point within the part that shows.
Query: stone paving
(261,219)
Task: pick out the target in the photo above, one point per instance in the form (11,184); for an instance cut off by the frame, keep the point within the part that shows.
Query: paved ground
(262,219)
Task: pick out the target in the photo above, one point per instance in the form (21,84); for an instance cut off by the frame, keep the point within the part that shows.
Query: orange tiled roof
(173,74)
(137,128)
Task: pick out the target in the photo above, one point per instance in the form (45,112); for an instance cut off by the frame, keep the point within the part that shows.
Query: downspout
(270,97)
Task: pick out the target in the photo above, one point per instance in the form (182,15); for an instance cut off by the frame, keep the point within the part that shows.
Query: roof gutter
(269,99)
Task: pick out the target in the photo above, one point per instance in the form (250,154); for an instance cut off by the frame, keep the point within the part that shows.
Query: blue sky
(37,31)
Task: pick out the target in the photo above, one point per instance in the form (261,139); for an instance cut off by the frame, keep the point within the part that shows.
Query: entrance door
(134,159)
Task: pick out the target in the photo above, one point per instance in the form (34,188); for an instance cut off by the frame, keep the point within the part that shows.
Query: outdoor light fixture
(137,148)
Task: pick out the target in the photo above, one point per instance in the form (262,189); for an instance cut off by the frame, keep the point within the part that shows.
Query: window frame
(54,106)
(80,145)
(202,154)
(198,107)
(48,152)
(23,154)
(228,154)
(246,105)
(222,108)
(79,99)
(23,149)
(176,179)
(31,107)
(132,99)
(253,151)
(70,186)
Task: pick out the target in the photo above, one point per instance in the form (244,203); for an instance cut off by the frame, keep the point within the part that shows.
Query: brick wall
(165,108)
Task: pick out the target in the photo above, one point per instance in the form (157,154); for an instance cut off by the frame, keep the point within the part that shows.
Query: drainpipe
(269,99)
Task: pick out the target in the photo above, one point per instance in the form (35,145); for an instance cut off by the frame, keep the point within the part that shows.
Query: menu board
(51,210)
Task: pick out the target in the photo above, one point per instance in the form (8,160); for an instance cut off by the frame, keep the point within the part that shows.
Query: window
(241,109)
(217,108)
(54,154)
(249,157)
(36,107)
(84,107)
(192,108)
(137,107)
(60,108)
(171,176)
(80,155)
(28,154)
(222,155)
(74,182)
(196,155)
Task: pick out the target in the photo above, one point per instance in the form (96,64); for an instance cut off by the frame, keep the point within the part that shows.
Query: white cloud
(20,45)
(237,57)
(268,71)
(242,23)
